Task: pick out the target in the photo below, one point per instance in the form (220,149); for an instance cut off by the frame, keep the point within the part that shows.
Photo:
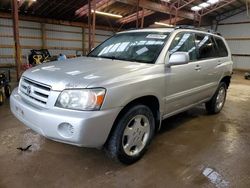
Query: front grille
(34,91)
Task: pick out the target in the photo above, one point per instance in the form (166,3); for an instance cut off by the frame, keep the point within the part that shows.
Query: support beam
(93,25)
(133,17)
(83,41)
(137,13)
(157,7)
(52,21)
(231,13)
(216,6)
(89,25)
(179,4)
(168,21)
(100,4)
(142,18)
(16,37)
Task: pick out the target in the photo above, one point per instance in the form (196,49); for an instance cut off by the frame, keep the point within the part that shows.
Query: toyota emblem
(28,90)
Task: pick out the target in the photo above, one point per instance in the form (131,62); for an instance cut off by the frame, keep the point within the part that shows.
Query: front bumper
(88,128)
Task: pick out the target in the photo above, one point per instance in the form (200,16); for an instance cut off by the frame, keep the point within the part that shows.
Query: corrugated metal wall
(59,39)
(236,30)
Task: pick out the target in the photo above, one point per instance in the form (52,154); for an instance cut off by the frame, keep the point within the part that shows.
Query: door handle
(219,63)
(197,67)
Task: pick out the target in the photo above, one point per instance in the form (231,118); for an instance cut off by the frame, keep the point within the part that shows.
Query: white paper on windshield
(141,51)
(156,36)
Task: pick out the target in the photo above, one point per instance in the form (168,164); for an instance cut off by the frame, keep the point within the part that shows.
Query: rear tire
(1,98)
(132,135)
(215,105)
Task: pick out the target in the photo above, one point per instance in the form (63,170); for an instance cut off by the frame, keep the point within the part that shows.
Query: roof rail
(198,29)
(185,27)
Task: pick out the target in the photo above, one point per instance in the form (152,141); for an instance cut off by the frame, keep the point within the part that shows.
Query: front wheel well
(150,101)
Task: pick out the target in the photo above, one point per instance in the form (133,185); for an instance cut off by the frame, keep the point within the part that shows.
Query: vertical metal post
(89,24)
(247,8)
(83,41)
(200,19)
(93,29)
(170,16)
(137,14)
(44,42)
(176,15)
(16,37)
(142,18)
(216,25)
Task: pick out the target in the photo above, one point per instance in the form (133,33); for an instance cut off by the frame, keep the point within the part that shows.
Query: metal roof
(75,10)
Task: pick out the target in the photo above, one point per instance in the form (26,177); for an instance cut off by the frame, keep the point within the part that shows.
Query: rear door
(208,62)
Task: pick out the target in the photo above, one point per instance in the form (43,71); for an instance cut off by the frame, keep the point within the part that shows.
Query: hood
(82,72)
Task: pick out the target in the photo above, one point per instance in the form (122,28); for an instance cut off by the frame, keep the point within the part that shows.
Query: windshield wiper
(113,57)
(122,59)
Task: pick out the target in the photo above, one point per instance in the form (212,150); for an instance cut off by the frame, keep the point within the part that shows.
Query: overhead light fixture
(204,5)
(212,1)
(167,1)
(196,8)
(163,24)
(107,14)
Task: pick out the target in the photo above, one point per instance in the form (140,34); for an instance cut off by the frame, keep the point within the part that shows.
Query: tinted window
(184,42)
(221,48)
(205,46)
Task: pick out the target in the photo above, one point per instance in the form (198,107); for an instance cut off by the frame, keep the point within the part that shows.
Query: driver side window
(184,42)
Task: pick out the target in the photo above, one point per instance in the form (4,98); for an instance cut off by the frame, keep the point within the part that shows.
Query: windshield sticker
(141,51)
(156,36)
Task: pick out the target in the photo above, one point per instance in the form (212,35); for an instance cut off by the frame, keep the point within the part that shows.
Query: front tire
(215,105)
(132,135)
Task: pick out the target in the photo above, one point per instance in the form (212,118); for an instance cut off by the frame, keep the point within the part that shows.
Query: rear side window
(184,42)
(206,46)
(221,47)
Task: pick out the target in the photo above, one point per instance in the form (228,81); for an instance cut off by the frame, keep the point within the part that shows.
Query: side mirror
(178,58)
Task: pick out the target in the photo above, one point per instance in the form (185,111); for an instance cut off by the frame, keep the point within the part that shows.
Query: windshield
(142,47)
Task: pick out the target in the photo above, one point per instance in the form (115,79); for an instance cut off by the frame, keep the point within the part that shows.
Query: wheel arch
(227,80)
(150,101)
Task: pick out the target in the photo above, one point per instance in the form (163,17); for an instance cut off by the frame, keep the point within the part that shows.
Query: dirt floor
(193,149)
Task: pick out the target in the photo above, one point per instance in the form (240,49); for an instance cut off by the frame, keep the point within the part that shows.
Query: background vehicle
(118,95)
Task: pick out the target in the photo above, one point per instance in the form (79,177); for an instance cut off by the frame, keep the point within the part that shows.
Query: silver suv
(117,96)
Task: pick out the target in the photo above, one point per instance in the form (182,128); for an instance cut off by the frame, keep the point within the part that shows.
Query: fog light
(66,130)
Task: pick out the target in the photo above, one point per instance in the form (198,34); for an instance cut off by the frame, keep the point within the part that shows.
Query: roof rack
(198,29)
(214,32)
(184,27)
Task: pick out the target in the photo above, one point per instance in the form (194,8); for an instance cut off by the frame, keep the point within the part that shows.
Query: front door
(182,81)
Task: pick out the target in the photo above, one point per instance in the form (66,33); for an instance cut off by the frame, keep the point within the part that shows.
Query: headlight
(81,99)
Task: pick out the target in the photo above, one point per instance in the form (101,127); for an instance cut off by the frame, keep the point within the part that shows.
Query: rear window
(221,47)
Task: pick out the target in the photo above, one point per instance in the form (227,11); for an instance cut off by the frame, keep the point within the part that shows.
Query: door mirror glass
(178,58)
